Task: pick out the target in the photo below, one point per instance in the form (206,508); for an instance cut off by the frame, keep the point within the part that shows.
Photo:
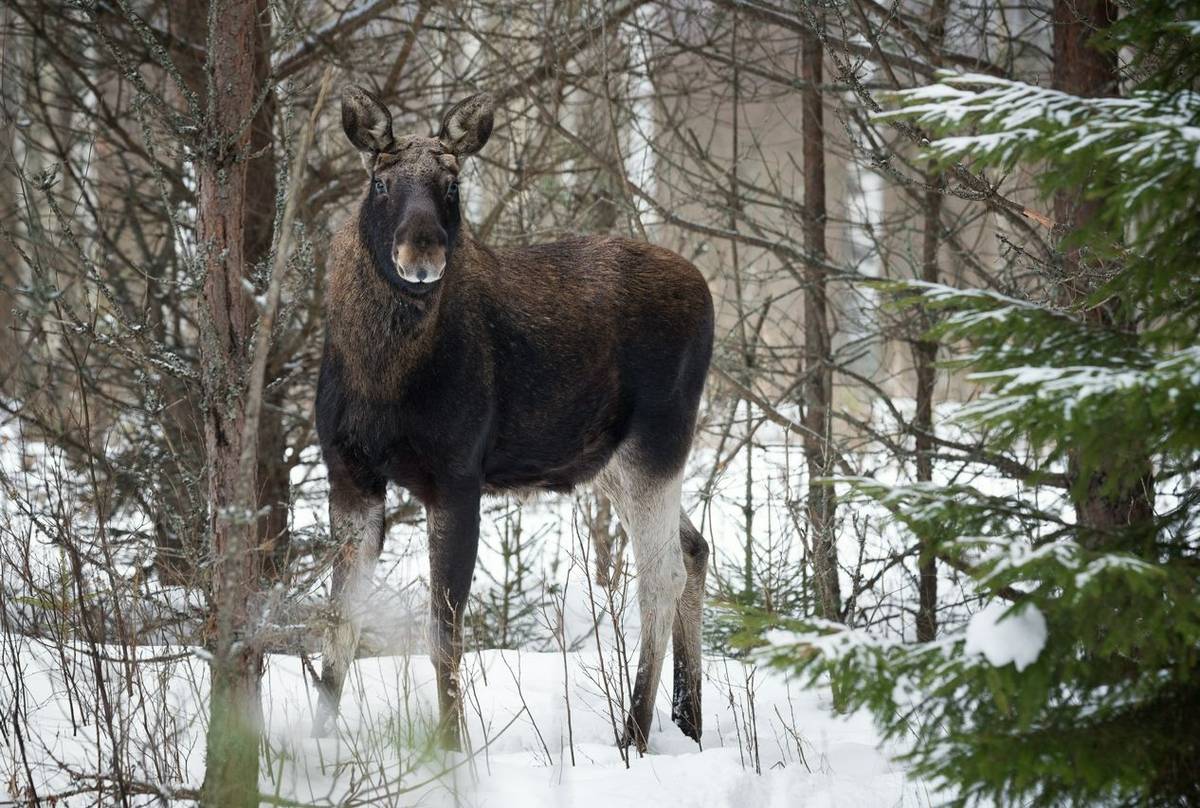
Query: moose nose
(422,274)
(422,232)
(425,239)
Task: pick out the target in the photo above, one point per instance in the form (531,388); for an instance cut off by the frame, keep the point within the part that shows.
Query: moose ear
(468,125)
(366,121)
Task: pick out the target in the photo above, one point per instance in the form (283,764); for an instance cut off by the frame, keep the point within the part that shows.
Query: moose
(456,370)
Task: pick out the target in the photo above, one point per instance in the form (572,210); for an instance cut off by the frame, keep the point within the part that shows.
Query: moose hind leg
(685,705)
(356,522)
(649,508)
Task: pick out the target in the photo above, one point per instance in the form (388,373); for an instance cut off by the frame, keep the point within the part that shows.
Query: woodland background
(170,177)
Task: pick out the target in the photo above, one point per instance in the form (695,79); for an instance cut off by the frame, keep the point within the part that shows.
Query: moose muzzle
(419,266)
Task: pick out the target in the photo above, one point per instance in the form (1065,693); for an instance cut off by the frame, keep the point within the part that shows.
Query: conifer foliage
(1078,679)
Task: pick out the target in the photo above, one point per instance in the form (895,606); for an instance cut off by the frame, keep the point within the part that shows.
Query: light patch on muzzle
(424,266)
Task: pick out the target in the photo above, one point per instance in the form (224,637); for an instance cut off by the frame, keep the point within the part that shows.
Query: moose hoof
(688,726)
(688,719)
(633,736)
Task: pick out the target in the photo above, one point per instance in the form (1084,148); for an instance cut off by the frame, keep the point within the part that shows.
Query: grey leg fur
(357,526)
(649,509)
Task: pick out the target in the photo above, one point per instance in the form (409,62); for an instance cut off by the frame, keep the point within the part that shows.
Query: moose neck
(379,332)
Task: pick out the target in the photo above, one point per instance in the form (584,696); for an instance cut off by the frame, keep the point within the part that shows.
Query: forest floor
(539,723)
(766,742)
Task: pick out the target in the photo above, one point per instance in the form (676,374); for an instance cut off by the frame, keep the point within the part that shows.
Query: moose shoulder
(453,369)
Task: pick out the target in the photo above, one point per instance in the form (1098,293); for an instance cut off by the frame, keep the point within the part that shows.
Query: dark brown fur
(522,368)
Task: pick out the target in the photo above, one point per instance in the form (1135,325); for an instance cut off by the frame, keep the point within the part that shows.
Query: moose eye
(452,190)
(380,188)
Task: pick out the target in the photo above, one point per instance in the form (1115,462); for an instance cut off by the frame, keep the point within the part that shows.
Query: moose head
(410,217)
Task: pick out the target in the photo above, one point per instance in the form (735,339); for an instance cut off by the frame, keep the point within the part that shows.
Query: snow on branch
(1149,134)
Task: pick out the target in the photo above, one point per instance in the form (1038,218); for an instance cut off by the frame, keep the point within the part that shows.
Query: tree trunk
(1081,69)
(274,491)
(818,366)
(10,273)
(925,354)
(227,321)
(176,551)
(925,357)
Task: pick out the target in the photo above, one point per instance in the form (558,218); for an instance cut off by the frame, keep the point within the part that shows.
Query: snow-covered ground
(540,724)
(539,735)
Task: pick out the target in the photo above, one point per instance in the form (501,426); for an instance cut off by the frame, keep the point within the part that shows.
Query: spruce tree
(1078,680)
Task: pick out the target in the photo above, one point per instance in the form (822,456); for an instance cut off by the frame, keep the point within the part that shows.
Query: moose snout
(421,256)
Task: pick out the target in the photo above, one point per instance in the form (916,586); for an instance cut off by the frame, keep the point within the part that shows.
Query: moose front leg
(356,522)
(453,543)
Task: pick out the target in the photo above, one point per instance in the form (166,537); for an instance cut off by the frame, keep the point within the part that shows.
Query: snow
(1006,636)
(520,742)
(517,701)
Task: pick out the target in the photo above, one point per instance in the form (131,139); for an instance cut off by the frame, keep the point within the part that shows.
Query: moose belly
(544,468)
(555,451)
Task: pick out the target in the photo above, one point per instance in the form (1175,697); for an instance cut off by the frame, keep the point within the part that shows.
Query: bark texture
(925,358)
(818,367)
(231,776)
(1104,505)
